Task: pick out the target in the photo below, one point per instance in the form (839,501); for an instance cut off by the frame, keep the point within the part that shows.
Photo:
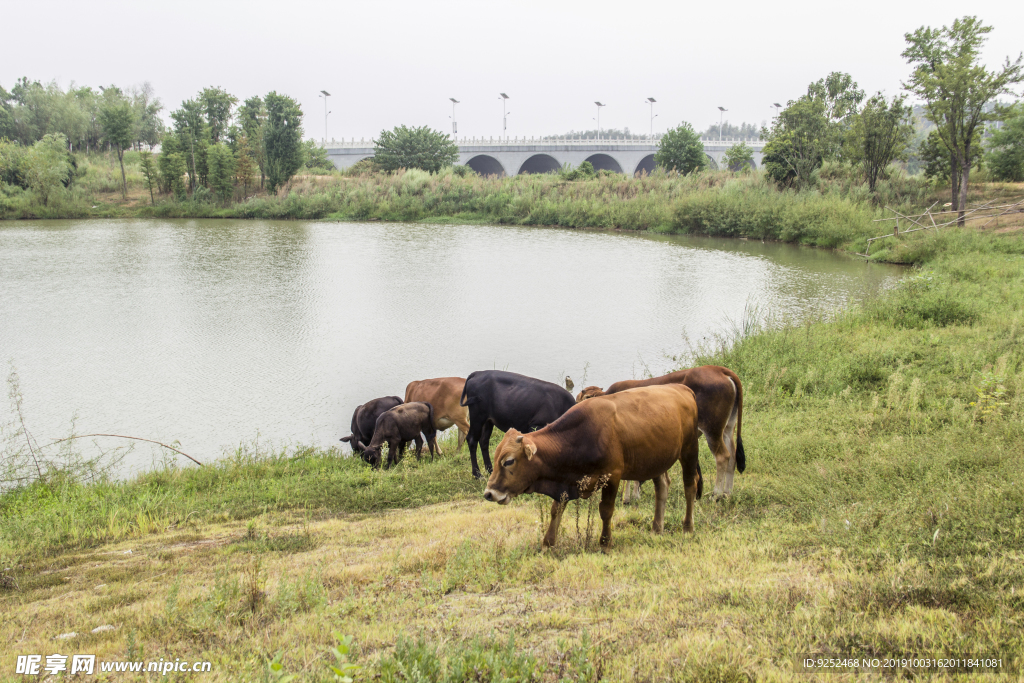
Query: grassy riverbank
(882,513)
(837,213)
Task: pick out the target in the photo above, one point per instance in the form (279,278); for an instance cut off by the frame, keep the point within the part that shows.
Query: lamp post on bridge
(721,113)
(455,126)
(651,101)
(504,115)
(324,94)
(599,105)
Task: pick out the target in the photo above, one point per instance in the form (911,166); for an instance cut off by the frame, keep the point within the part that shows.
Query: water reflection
(207,331)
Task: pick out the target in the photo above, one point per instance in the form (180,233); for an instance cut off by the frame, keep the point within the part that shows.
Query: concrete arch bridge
(487,156)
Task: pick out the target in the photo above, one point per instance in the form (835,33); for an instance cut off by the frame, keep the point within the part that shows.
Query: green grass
(882,513)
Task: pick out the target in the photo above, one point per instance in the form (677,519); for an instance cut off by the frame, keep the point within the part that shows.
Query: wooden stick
(135,438)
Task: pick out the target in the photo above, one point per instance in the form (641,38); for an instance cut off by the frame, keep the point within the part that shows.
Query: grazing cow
(365,417)
(507,401)
(632,435)
(443,394)
(396,428)
(719,395)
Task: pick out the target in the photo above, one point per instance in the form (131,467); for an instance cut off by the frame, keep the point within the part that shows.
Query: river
(209,332)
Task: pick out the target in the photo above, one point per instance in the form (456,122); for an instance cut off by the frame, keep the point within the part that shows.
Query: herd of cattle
(566,448)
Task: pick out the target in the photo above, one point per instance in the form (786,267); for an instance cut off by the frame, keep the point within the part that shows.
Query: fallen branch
(134,438)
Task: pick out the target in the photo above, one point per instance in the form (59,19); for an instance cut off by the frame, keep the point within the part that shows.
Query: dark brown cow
(719,394)
(631,435)
(397,427)
(443,394)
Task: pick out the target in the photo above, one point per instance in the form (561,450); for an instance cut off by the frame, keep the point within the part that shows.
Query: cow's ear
(519,439)
(530,448)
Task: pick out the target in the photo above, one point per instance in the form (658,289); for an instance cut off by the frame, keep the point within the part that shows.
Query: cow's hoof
(477,475)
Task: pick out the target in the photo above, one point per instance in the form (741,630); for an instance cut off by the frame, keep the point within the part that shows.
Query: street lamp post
(777,108)
(599,105)
(721,113)
(651,101)
(455,126)
(324,94)
(504,115)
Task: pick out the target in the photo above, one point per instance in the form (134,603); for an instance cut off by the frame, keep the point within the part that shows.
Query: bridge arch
(540,163)
(485,164)
(646,165)
(712,164)
(603,162)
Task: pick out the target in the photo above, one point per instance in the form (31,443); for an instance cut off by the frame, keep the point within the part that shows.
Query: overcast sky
(389,63)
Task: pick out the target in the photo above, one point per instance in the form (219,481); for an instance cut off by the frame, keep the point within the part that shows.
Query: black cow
(507,400)
(399,426)
(365,417)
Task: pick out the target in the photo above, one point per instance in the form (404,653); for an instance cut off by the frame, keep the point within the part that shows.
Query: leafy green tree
(118,121)
(315,156)
(938,162)
(681,150)
(194,136)
(1005,155)
(217,104)
(6,115)
(880,134)
(149,173)
(171,145)
(222,170)
(245,165)
(955,87)
(798,142)
(12,164)
(251,116)
(174,169)
(282,139)
(739,157)
(422,148)
(149,127)
(47,169)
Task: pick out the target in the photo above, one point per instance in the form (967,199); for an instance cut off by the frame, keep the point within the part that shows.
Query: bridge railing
(556,142)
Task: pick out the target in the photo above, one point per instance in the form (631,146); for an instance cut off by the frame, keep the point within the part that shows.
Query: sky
(398,62)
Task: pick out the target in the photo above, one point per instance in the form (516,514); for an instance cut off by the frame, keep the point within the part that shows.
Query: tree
(222,170)
(1005,156)
(148,126)
(314,156)
(800,139)
(118,121)
(938,161)
(46,166)
(880,134)
(194,136)
(955,87)
(245,165)
(681,150)
(422,148)
(175,166)
(217,104)
(251,116)
(739,157)
(149,173)
(282,139)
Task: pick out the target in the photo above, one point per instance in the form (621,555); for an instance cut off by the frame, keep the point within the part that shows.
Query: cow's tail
(465,400)
(741,457)
(700,482)
(430,414)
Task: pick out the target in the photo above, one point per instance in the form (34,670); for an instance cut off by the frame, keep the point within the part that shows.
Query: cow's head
(370,454)
(589,392)
(516,468)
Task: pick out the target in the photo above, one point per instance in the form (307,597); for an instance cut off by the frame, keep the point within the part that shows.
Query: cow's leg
(473,439)
(607,507)
(723,459)
(691,476)
(557,508)
(485,444)
(419,446)
(730,446)
(463,432)
(432,445)
(660,499)
(631,492)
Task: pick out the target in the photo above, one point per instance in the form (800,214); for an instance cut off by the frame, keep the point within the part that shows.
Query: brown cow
(632,435)
(719,395)
(396,428)
(443,394)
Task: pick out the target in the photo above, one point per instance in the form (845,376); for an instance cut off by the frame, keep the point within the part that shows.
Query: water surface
(210,331)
